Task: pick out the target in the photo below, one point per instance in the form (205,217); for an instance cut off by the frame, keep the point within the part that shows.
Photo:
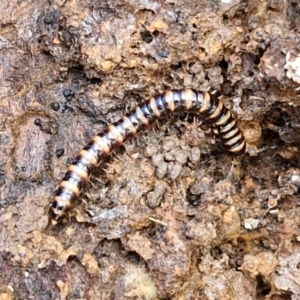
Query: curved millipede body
(205,105)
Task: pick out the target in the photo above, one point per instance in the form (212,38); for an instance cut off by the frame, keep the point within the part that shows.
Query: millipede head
(57,212)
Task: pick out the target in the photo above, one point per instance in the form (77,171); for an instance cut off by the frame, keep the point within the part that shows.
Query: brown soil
(168,215)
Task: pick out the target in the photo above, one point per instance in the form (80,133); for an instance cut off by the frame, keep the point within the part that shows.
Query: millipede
(206,105)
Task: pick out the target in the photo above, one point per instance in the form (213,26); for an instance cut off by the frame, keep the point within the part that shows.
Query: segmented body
(187,100)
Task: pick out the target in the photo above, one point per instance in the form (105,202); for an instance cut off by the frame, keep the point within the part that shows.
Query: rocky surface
(168,215)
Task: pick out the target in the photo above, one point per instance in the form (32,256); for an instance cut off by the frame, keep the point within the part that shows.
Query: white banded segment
(207,106)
